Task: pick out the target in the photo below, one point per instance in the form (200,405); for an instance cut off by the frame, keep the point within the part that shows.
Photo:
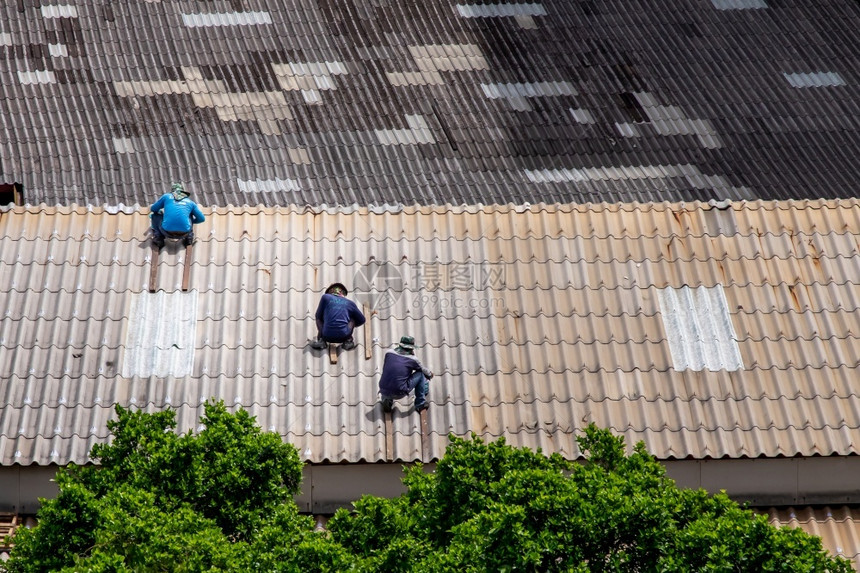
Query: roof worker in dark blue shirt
(402,373)
(336,318)
(173,215)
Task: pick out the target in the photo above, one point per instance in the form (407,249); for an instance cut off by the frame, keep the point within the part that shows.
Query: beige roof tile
(838,527)
(536,319)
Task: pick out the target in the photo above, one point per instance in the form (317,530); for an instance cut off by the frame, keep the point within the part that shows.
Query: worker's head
(406,345)
(338,289)
(179,192)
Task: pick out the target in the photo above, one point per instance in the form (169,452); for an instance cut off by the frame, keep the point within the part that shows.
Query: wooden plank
(186,273)
(389,436)
(153,269)
(425,435)
(368,334)
(332,353)
(8,525)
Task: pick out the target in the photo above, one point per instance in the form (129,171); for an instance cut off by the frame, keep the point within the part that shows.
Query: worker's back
(396,370)
(178,215)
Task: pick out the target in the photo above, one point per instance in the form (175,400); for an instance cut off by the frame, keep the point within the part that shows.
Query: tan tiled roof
(838,527)
(537,319)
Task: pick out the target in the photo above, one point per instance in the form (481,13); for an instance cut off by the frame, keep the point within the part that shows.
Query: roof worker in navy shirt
(402,373)
(336,318)
(173,216)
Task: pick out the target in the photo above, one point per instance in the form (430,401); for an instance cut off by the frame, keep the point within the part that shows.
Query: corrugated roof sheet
(838,527)
(538,320)
(738,4)
(317,101)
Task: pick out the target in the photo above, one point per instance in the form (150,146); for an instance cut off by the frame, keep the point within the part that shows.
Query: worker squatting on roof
(336,318)
(174,215)
(401,374)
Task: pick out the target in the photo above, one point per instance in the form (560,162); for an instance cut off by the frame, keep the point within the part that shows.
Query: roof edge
(387,208)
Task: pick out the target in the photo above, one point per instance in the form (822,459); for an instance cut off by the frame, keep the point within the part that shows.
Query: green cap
(407,343)
(337,288)
(179,192)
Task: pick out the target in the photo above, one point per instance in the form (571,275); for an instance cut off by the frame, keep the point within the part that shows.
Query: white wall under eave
(774,481)
(328,487)
(761,482)
(22,486)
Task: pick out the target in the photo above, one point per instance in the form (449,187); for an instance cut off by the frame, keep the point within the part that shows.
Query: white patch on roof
(316,69)
(582,115)
(201,20)
(418,132)
(263,107)
(58,50)
(526,22)
(671,120)
(308,77)
(738,4)
(498,10)
(399,79)
(268,185)
(699,328)
(448,57)
(815,80)
(162,329)
(627,129)
(59,11)
(531,89)
(5,39)
(690,173)
(516,94)
(123,145)
(37,77)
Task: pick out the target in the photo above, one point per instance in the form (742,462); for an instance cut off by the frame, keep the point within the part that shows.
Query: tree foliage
(491,507)
(215,500)
(221,500)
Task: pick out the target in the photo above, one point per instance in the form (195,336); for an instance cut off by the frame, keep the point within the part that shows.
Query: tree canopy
(491,507)
(220,499)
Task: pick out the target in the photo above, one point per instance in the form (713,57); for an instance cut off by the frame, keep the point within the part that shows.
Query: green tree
(220,500)
(490,507)
(230,472)
(137,534)
(215,500)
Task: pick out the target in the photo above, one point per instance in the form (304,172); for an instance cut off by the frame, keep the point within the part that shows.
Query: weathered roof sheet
(432,102)
(538,319)
(838,527)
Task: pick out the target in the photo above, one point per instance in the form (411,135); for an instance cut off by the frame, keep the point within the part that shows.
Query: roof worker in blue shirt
(402,373)
(172,216)
(336,318)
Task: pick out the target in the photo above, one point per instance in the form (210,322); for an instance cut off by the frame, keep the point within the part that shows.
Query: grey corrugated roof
(431,102)
(739,4)
(537,319)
